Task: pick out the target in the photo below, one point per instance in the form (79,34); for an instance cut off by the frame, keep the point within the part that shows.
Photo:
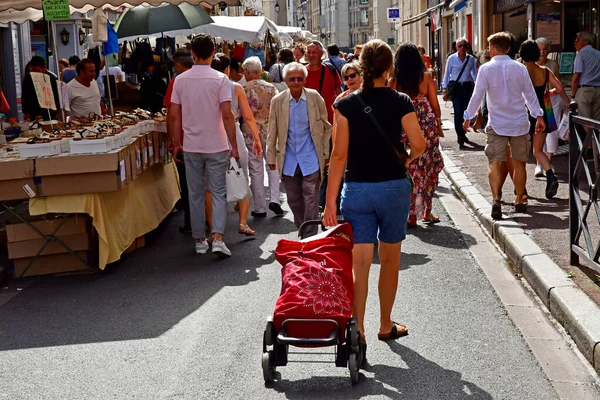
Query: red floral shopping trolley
(314,308)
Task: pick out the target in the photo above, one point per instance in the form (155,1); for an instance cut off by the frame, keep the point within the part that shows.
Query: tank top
(539,92)
(235,108)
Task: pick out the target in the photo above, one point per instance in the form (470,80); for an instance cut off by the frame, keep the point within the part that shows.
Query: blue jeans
(377,210)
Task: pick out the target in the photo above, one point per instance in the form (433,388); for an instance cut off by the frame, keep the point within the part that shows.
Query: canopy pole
(52,26)
(107,88)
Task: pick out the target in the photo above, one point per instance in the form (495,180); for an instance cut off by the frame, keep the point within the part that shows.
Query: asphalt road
(167,324)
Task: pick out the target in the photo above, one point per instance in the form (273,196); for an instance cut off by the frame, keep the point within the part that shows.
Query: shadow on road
(140,297)
(442,235)
(422,379)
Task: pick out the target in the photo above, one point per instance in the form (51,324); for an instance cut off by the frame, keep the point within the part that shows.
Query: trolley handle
(312,222)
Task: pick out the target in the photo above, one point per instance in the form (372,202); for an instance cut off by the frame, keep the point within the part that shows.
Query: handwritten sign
(43,90)
(55,10)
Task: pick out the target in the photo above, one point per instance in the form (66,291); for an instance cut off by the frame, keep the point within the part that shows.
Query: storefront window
(577,19)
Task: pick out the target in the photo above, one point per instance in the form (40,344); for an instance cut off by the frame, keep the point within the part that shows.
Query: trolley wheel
(270,334)
(268,362)
(353,336)
(353,367)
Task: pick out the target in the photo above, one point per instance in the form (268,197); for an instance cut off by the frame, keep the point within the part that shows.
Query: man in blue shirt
(298,143)
(334,57)
(585,84)
(463,86)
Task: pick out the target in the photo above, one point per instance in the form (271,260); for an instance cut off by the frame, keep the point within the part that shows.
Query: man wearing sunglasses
(298,143)
(461,73)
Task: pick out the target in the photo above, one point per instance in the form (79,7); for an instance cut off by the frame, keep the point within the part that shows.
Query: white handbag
(563,127)
(237,185)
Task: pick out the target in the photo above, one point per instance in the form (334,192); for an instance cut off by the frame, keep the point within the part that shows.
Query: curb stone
(569,305)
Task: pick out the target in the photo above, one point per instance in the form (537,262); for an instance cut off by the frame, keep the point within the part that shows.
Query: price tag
(122,168)
(138,159)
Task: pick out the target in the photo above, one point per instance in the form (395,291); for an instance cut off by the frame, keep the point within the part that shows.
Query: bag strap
(322,78)
(463,67)
(280,73)
(369,111)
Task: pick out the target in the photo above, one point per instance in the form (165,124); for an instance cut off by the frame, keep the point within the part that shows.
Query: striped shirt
(587,63)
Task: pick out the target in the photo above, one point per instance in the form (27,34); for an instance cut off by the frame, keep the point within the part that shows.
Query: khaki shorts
(495,148)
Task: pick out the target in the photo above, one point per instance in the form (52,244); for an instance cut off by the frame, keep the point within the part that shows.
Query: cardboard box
(73,225)
(135,152)
(144,150)
(78,174)
(29,248)
(150,147)
(14,174)
(50,264)
(138,243)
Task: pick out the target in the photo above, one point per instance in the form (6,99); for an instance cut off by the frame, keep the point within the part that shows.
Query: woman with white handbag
(237,179)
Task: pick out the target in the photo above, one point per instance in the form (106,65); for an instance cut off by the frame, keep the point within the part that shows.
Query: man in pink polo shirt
(201,105)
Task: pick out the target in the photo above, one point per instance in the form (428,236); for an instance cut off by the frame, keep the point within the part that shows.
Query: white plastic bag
(563,127)
(237,186)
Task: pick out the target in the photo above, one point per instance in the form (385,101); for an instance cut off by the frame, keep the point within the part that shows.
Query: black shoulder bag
(452,84)
(401,157)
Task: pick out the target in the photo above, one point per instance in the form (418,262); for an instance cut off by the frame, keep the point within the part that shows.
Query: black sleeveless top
(539,91)
(370,157)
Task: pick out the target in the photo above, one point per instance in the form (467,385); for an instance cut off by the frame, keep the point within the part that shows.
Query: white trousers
(256,168)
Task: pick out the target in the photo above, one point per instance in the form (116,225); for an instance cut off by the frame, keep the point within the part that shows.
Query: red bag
(316,282)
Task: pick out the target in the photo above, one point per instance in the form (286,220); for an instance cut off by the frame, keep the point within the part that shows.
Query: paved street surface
(168,324)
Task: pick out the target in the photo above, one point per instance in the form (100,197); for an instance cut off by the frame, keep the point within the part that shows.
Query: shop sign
(548,26)
(565,63)
(501,6)
(55,10)
(393,14)
(43,90)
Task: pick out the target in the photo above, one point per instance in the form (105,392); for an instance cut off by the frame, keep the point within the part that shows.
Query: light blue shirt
(453,67)
(299,149)
(587,63)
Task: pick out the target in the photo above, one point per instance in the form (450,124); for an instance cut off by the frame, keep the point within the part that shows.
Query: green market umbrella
(167,19)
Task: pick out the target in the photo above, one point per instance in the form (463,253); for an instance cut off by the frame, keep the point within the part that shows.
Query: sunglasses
(350,76)
(295,80)
(461,45)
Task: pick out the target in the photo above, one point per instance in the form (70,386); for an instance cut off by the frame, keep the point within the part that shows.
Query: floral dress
(259,95)
(426,169)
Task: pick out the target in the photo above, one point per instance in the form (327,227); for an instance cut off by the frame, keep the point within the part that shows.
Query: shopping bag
(563,127)
(237,186)
(549,113)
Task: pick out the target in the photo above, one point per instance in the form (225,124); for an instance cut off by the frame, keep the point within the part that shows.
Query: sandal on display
(245,230)
(397,331)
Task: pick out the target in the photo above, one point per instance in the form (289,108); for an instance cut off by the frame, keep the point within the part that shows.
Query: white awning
(242,29)
(21,5)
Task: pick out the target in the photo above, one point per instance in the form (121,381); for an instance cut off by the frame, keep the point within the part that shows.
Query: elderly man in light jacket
(298,143)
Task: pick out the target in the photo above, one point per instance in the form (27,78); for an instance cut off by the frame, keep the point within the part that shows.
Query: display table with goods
(95,187)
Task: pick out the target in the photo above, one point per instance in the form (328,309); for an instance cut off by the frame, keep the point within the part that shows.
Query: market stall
(252,30)
(115,172)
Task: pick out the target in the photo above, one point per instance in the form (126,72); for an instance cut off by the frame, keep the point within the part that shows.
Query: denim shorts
(377,210)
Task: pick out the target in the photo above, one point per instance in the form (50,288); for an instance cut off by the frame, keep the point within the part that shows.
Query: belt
(587,86)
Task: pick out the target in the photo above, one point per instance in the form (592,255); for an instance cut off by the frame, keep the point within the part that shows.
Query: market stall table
(123,216)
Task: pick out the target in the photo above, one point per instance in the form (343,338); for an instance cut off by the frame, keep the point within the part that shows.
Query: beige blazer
(279,118)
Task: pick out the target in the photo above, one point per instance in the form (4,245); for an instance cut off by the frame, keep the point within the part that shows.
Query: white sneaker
(201,247)
(219,248)
(539,172)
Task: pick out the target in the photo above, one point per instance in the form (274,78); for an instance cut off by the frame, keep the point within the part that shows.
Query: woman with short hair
(259,94)
(541,77)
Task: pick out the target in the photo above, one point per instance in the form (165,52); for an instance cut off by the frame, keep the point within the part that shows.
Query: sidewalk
(537,242)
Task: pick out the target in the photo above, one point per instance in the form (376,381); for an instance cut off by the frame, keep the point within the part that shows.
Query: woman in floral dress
(411,77)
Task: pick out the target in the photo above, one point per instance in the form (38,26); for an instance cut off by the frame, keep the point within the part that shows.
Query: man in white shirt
(509,89)
(83,93)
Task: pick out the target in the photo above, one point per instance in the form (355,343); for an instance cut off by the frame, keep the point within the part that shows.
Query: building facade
(361,21)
